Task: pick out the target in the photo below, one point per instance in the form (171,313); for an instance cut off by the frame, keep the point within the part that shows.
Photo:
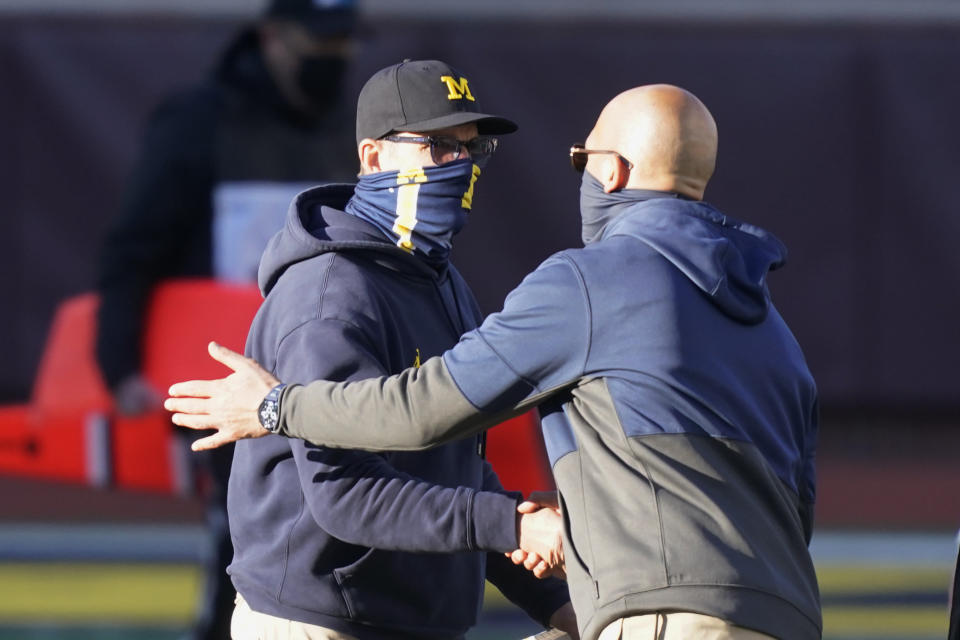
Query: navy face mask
(419,209)
(597,207)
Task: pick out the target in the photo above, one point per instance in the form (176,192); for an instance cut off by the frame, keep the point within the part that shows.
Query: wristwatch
(269,411)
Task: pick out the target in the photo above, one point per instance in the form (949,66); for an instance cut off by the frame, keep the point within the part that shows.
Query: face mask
(598,208)
(420,209)
(320,79)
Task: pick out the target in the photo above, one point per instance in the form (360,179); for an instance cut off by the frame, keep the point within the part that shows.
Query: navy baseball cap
(321,17)
(421,95)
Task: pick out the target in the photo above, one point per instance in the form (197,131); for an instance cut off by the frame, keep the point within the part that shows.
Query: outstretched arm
(536,346)
(229,405)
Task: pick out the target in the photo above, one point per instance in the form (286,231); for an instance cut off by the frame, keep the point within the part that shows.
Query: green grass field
(77,601)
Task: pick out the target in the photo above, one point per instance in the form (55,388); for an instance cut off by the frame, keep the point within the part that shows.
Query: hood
(726,259)
(316,224)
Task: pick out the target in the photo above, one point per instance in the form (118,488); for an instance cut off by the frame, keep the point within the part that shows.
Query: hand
(228,405)
(565,620)
(541,546)
(538,566)
(530,560)
(135,396)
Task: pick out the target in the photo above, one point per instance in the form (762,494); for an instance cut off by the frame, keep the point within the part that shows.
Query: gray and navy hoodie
(378,546)
(678,413)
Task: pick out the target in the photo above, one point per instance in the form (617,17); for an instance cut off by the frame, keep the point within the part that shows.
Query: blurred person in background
(218,166)
(678,411)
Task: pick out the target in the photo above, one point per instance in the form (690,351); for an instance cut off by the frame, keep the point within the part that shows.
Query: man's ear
(615,175)
(369,152)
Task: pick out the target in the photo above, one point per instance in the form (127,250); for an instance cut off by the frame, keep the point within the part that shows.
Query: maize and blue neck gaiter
(419,209)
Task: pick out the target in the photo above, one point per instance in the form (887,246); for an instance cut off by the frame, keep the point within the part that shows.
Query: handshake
(539,525)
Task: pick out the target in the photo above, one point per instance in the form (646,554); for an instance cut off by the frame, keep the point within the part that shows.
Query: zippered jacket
(678,412)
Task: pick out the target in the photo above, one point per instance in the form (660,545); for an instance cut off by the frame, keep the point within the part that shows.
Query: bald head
(665,131)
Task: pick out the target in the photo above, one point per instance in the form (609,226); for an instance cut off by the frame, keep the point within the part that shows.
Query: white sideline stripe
(187,542)
(866,548)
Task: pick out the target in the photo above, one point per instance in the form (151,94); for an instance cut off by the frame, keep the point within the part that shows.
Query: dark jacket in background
(376,546)
(234,128)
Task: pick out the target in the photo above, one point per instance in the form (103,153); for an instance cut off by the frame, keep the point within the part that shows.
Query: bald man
(678,413)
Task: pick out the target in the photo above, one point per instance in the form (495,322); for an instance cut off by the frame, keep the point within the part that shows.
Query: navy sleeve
(538,598)
(165,215)
(357,496)
(539,341)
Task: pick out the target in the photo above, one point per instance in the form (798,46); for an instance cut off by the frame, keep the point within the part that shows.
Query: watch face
(269,411)
(268,415)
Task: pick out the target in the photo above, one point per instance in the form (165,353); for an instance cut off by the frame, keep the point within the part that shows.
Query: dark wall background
(843,141)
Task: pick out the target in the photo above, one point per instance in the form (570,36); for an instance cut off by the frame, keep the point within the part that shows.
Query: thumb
(226,356)
(527,507)
(210,442)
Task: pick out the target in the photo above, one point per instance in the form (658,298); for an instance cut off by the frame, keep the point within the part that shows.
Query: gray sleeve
(414,410)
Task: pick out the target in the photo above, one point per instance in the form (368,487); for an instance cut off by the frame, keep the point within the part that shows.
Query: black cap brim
(487,125)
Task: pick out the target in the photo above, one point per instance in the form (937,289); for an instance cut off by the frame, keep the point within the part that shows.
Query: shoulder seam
(318,317)
(506,363)
(325,282)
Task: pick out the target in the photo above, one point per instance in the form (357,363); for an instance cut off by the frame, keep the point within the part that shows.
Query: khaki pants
(248,624)
(677,626)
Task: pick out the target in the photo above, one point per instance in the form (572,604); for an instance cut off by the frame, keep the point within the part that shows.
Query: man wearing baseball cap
(346,544)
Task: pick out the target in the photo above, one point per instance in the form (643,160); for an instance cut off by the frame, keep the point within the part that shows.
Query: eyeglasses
(444,149)
(579,153)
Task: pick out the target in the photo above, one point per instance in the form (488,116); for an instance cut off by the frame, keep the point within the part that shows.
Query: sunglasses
(579,154)
(444,149)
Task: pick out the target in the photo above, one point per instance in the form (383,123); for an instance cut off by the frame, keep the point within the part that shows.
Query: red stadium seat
(69,430)
(182,318)
(50,436)
(515,450)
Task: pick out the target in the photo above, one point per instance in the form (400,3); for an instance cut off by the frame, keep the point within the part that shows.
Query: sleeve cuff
(494,518)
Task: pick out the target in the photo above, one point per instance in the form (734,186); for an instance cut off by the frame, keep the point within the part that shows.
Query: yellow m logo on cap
(458,88)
